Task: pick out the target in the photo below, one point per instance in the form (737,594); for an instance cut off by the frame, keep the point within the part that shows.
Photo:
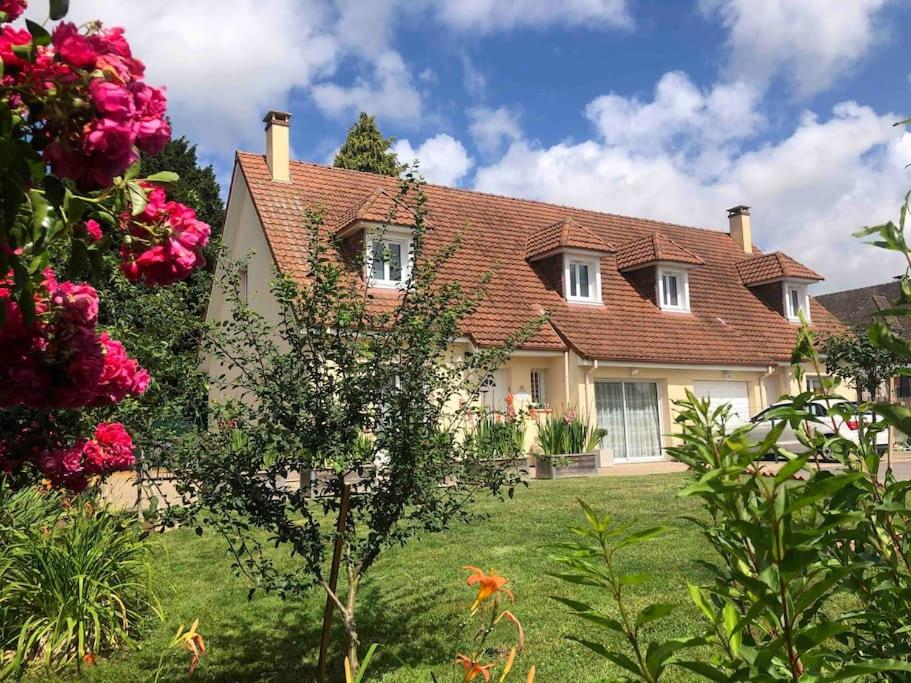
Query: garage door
(721,392)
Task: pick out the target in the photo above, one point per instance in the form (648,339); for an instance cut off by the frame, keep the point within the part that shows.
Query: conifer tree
(365,149)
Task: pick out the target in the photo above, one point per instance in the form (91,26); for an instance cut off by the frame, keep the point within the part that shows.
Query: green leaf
(163,177)
(617,658)
(653,612)
(138,199)
(40,36)
(54,190)
(642,536)
(705,670)
(59,8)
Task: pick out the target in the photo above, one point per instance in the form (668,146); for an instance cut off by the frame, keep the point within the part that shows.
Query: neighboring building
(640,310)
(856,308)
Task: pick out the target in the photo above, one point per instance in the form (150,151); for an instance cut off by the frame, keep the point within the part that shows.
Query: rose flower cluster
(109,450)
(98,113)
(60,360)
(164,242)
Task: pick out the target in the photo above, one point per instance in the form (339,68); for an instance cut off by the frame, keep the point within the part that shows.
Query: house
(640,310)
(857,308)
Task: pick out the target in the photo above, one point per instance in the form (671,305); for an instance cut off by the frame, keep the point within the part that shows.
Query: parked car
(831,425)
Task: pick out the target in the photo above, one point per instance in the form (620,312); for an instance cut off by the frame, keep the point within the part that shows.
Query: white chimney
(278,145)
(739,218)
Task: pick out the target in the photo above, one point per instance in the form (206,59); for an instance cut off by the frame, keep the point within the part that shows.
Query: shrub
(568,433)
(74,580)
(499,436)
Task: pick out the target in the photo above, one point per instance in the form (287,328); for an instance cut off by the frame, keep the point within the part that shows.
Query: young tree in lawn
(353,387)
(75,114)
(365,149)
(854,357)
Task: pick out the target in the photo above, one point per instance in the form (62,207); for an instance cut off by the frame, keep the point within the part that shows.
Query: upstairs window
(582,278)
(796,301)
(387,261)
(673,290)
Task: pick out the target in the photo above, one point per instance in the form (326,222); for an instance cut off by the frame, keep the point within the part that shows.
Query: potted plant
(568,446)
(501,437)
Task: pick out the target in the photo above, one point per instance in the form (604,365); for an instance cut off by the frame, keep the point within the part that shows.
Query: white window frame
(593,263)
(389,235)
(803,301)
(243,285)
(683,289)
(537,380)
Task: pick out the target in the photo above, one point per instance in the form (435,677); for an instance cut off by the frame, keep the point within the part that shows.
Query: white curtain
(629,413)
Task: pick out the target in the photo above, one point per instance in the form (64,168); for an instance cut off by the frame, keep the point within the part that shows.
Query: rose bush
(75,113)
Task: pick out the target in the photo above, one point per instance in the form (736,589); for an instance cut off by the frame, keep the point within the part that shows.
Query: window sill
(584,302)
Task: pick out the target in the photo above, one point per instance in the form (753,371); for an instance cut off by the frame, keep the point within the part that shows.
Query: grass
(414,597)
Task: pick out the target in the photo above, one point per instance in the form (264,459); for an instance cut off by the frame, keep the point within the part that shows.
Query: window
(796,302)
(673,290)
(242,285)
(387,261)
(538,383)
(583,279)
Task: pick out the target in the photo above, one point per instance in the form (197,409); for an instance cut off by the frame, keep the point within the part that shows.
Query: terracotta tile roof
(775,266)
(381,206)
(728,323)
(565,233)
(654,248)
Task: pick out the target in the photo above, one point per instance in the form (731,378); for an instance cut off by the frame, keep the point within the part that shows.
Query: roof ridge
(495,195)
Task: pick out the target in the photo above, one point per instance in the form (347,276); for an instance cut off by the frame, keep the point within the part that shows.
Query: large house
(639,310)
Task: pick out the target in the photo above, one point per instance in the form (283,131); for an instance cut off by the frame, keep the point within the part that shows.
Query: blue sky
(670,110)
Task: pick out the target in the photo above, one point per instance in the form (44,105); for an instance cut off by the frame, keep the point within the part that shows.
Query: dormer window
(673,290)
(582,275)
(388,259)
(796,302)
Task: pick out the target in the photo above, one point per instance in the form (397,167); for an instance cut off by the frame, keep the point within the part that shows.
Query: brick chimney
(278,145)
(739,219)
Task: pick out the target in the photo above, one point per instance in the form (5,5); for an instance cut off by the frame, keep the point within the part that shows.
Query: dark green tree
(162,326)
(855,358)
(365,149)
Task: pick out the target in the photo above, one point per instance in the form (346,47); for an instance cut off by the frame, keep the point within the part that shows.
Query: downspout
(770,370)
(565,380)
(588,375)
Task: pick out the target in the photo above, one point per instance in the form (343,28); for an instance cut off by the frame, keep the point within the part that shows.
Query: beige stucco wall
(243,237)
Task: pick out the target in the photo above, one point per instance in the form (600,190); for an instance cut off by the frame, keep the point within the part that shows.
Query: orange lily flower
(473,669)
(488,585)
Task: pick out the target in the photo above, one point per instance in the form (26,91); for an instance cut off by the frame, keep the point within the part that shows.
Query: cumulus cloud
(490,15)
(809,191)
(811,42)
(389,93)
(442,159)
(490,128)
(217,93)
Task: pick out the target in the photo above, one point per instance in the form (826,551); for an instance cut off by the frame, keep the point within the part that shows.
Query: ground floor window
(629,412)
(538,381)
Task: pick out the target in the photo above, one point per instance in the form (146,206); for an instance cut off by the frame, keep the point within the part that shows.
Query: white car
(829,425)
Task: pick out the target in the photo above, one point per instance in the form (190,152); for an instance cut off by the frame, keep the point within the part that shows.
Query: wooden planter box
(567,465)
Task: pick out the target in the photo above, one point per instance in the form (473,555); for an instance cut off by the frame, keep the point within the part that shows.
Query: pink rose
(109,146)
(121,375)
(10,36)
(93,230)
(112,100)
(73,47)
(117,443)
(12,8)
(94,458)
(78,304)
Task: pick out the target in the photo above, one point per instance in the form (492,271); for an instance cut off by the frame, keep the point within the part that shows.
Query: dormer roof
(383,205)
(655,248)
(763,268)
(564,234)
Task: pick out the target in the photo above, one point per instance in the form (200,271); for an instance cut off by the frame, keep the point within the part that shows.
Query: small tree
(365,149)
(349,388)
(853,357)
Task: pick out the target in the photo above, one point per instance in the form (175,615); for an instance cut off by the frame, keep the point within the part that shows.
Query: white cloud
(811,42)
(491,15)
(809,191)
(221,77)
(389,94)
(679,114)
(473,79)
(490,128)
(442,158)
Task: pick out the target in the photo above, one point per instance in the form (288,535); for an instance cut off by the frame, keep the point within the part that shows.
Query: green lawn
(414,597)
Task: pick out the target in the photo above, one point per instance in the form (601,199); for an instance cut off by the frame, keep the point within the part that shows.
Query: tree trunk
(350,623)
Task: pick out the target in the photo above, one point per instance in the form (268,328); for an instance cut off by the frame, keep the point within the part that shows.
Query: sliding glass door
(629,413)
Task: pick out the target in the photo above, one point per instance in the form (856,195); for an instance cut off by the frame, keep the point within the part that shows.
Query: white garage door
(722,392)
